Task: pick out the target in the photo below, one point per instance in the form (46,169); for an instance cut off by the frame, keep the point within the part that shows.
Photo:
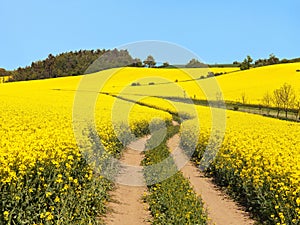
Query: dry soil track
(127,206)
(221,209)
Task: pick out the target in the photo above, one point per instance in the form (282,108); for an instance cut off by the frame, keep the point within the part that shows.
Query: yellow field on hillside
(197,72)
(259,156)
(38,114)
(41,159)
(256,82)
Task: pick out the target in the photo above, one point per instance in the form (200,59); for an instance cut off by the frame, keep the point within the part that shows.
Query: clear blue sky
(218,31)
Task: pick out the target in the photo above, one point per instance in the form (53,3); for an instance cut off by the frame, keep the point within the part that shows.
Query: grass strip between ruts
(172,200)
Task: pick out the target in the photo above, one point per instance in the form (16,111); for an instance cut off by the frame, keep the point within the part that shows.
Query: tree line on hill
(77,63)
(64,64)
(248,62)
(88,61)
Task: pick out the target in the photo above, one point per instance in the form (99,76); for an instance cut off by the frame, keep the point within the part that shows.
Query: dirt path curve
(127,207)
(221,209)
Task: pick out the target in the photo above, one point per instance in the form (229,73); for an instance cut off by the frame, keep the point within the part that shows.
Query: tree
(284,61)
(4,72)
(246,64)
(284,98)
(165,64)
(276,100)
(272,59)
(244,98)
(49,62)
(267,101)
(297,109)
(194,63)
(136,63)
(210,74)
(261,62)
(149,61)
(219,98)
(287,97)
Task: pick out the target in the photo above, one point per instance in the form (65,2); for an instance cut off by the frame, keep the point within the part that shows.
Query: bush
(210,74)
(218,74)
(135,84)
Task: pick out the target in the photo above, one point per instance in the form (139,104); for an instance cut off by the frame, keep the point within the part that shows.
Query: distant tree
(112,59)
(165,64)
(284,61)
(219,98)
(4,72)
(244,98)
(136,63)
(249,59)
(218,74)
(277,100)
(272,59)
(261,62)
(246,64)
(210,74)
(294,60)
(267,101)
(287,97)
(297,109)
(149,61)
(49,62)
(135,84)
(194,63)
